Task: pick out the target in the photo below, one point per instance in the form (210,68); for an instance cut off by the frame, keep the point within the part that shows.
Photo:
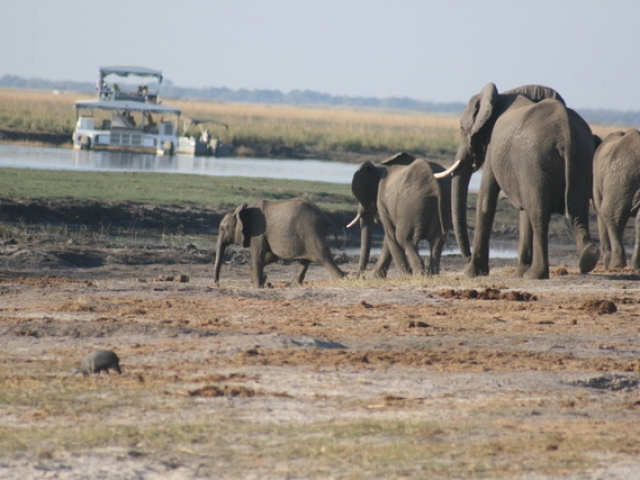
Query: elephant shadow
(634,276)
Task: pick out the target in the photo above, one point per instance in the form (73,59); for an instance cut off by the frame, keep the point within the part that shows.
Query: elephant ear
(483,105)
(399,159)
(536,93)
(364,186)
(597,140)
(241,231)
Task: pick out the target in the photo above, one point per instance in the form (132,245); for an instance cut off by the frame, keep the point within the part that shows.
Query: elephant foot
(521,269)
(537,273)
(472,271)
(262,281)
(379,274)
(588,258)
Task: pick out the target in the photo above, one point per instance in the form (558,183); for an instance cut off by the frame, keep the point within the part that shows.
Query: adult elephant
(412,205)
(292,229)
(540,154)
(616,195)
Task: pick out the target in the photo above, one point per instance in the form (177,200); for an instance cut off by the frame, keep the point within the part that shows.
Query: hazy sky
(438,50)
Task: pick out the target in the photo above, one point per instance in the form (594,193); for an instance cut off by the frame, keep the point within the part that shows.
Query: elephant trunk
(221,246)
(460,191)
(366,233)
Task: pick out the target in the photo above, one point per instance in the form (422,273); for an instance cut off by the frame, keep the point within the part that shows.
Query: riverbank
(439,376)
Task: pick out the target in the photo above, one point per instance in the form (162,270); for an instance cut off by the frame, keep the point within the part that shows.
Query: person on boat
(104,90)
(129,118)
(150,124)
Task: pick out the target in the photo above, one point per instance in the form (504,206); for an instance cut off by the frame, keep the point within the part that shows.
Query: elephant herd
(534,149)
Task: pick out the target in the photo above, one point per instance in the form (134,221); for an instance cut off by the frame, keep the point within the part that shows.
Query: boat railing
(128,96)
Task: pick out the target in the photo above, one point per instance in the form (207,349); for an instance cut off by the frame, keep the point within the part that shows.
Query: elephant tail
(331,224)
(342,247)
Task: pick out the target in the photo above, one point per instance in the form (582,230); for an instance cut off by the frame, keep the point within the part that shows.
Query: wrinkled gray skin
(616,195)
(411,204)
(540,154)
(290,230)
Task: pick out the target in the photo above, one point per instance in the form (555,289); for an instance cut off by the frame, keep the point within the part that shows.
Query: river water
(93,160)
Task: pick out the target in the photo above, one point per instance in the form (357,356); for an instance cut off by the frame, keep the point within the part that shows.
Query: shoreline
(271,151)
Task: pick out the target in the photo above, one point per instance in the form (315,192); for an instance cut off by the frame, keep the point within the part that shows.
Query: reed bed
(37,111)
(252,128)
(333,128)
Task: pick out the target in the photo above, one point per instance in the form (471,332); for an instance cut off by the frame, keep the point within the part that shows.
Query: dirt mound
(601,307)
(489,294)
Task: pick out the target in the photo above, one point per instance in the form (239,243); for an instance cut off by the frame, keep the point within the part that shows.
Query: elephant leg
(334,270)
(435,255)
(381,267)
(302,271)
(588,253)
(260,256)
(605,244)
(414,258)
(485,213)
(399,257)
(258,278)
(539,224)
(616,232)
(635,259)
(324,257)
(525,245)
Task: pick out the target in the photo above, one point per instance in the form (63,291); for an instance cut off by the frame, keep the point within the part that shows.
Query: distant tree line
(307,98)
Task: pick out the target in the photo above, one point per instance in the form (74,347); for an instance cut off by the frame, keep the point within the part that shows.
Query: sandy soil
(443,377)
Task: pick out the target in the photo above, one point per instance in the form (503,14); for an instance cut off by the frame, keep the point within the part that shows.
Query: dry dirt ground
(443,377)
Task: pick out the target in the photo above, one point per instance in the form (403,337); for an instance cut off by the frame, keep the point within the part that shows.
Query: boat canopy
(131,106)
(126,71)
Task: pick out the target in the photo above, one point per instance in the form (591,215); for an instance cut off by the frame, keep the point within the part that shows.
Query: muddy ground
(443,377)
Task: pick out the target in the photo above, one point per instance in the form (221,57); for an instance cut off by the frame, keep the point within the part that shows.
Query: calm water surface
(65,159)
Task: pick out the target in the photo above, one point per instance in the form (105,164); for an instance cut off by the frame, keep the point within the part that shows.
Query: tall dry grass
(332,128)
(38,111)
(254,126)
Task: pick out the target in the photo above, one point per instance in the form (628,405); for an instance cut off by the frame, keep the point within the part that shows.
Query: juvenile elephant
(540,154)
(292,229)
(616,195)
(412,205)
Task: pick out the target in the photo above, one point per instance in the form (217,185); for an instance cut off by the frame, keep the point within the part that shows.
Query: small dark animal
(99,360)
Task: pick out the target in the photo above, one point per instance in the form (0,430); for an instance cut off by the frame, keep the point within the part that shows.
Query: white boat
(128,116)
(196,138)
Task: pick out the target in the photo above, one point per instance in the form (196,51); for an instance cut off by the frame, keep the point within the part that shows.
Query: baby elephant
(289,229)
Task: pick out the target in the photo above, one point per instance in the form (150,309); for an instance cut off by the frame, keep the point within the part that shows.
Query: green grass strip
(162,188)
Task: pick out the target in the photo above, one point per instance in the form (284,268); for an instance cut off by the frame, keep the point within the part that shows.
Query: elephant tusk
(354,221)
(448,171)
